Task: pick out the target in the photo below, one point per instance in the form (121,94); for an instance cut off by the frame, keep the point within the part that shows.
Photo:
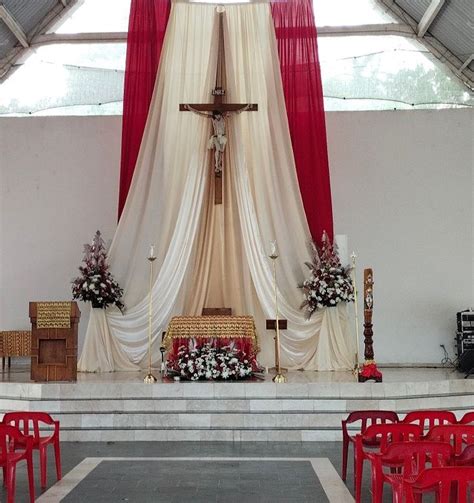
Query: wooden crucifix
(218,112)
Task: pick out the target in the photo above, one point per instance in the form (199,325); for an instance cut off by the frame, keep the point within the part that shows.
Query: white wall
(58,185)
(402,191)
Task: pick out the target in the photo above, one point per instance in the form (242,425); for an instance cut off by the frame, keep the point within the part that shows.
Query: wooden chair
(29,423)
(14,343)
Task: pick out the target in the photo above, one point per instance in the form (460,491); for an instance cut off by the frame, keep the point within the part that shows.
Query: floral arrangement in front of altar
(96,284)
(211,363)
(329,283)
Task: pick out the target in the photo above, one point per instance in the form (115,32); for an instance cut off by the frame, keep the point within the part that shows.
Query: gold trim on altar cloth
(231,327)
(53,315)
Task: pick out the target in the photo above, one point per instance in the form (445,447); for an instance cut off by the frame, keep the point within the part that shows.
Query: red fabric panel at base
(146,31)
(298,51)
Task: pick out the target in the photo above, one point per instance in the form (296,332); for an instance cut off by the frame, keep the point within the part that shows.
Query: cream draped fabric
(215,255)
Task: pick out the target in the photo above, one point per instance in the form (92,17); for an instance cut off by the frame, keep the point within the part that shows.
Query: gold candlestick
(279,377)
(356,312)
(150,378)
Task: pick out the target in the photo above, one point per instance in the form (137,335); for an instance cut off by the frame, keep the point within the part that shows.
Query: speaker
(466,360)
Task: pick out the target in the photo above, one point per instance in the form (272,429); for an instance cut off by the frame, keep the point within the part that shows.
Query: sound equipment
(465,341)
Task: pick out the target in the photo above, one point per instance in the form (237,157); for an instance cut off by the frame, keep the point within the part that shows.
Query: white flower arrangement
(208,362)
(329,283)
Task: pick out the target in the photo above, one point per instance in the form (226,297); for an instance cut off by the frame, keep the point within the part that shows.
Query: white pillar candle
(342,248)
(152,251)
(273,249)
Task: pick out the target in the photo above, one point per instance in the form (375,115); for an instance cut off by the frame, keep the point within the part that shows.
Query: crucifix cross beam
(218,111)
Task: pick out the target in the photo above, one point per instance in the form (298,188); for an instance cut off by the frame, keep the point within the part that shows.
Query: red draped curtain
(146,31)
(298,51)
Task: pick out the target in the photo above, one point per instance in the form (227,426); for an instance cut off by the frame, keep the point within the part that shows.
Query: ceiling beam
(324,31)
(7,63)
(439,50)
(13,25)
(429,16)
(80,38)
(466,63)
(366,29)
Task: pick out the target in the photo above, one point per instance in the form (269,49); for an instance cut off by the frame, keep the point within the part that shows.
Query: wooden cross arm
(222,107)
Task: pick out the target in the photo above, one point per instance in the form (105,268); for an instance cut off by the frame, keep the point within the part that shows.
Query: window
(359,72)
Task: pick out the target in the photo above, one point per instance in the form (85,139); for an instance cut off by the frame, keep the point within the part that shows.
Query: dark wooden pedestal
(54,350)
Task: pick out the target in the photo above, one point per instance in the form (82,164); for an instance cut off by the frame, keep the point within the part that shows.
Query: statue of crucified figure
(218,140)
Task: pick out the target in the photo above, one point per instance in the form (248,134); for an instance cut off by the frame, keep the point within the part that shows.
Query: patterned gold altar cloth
(238,329)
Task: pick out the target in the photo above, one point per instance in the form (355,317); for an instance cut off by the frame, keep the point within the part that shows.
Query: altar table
(219,331)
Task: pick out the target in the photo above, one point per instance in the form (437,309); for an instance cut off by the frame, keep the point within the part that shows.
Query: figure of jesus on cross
(218,112)
(218,140)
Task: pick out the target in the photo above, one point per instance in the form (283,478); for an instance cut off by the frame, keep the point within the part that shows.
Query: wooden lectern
(54,341)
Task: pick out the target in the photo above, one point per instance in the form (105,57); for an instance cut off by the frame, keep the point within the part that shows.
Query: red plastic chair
(9,457)
(367,418)
(412,457)
(380,436)
(429,418)
(458,435)
(467,418)
(466,458)
(441,481)
(29,423)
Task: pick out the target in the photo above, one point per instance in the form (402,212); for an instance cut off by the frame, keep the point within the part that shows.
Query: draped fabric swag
(301,75)
(215,255)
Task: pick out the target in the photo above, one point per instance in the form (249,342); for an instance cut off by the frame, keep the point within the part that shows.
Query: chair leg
(57,456)
(42,453)
(9,361)
(31,477)
(377,487)
(11,479)
(358,468)
(3,363)
(345,452)
(397,493)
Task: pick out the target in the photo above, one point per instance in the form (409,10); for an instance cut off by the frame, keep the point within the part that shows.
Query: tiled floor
(298,472)
(200,480)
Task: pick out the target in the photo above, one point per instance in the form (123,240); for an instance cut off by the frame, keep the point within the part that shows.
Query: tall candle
(273,249)
(152,251)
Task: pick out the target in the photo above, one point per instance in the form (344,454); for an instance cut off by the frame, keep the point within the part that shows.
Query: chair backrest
(429,418)
(466,458)
(384,434)
(442,478)
(370,417)
(8,435)
(418,455)
(458,435)
(28,422)
(467,418)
